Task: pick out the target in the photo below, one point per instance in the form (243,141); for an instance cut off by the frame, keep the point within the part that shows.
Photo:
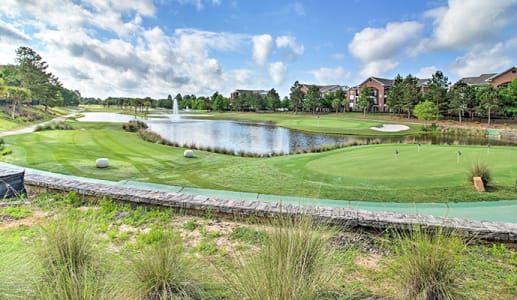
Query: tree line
(29,80)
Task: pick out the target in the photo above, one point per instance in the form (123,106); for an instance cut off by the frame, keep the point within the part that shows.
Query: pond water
(263,138)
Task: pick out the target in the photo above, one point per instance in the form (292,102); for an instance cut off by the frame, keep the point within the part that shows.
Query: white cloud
(467,22)
(485,59)
(277,71)
(106,48)
(382,43)
(378,48)
(289,42)
(8,33)
(377,67)
(426,72)
(329,75)
(262,48)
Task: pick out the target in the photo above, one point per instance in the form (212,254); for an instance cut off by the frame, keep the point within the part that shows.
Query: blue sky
(139,48)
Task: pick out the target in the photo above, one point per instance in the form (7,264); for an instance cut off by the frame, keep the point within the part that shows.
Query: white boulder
(102,162)
(188,153)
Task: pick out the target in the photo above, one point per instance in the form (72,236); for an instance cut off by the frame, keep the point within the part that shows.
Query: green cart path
(495,211)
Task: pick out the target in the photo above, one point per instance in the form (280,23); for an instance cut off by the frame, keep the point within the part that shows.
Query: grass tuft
(293,264)
(164,271)
(480,169)
(427,265)
(70,268)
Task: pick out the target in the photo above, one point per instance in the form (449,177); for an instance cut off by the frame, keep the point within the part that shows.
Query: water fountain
(175,108)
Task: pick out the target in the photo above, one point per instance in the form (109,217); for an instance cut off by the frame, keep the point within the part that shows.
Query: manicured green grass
(341,123)
(374,172)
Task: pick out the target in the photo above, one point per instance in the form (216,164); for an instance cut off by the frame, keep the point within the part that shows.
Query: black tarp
(11,184)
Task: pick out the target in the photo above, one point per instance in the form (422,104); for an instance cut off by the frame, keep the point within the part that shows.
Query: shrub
(163,271)
(70,268)
(134,125)
(480,169)
(427,264)
(54,126)
(293,264)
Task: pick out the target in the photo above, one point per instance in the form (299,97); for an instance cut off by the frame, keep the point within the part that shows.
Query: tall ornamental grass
(428,264)
(163,270)
(70,266)
(480,169)
(293,264)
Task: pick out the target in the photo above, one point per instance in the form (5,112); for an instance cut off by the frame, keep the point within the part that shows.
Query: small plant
(427,264)
(480,169)
(245,234)
(191,225)
(3,150)
(163,271)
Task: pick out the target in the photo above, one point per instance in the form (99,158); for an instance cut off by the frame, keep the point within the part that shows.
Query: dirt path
(31,128)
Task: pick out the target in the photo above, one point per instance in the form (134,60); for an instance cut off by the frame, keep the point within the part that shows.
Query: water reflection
(266,138)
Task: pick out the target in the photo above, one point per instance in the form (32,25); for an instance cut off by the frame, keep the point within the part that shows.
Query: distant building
(324,89)
(495,79)
(236,93)
(380,88)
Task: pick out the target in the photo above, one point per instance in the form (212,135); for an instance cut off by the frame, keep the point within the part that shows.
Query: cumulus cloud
(383,43)
(485,59)
(329,75)
(467,22)
(378,48)
(378,67)
(289,42)
(106,48)
(277,71)
(9,33)
(426,72)
(262,48)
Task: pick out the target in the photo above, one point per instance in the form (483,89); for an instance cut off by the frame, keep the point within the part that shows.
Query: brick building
(380,88)
(495,79)
(236,93)
(324,89)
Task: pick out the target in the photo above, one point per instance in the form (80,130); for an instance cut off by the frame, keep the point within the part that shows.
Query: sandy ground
(390,128)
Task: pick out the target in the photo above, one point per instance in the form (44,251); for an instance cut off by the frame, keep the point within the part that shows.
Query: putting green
(381,161)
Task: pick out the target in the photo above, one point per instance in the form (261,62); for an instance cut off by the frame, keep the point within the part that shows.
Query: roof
(497,75)
(251,91)
(325,88)
(422,82)
(480,80)
(384,81)
(389,82)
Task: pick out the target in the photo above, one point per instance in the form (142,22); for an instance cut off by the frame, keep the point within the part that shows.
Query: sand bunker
(390,128)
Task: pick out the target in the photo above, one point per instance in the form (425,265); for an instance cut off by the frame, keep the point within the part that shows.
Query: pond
(263,138)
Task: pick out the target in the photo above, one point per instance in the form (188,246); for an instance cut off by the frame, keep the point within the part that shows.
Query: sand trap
(390,128)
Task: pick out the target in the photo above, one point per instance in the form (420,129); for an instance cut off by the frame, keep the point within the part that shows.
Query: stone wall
(347,217)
